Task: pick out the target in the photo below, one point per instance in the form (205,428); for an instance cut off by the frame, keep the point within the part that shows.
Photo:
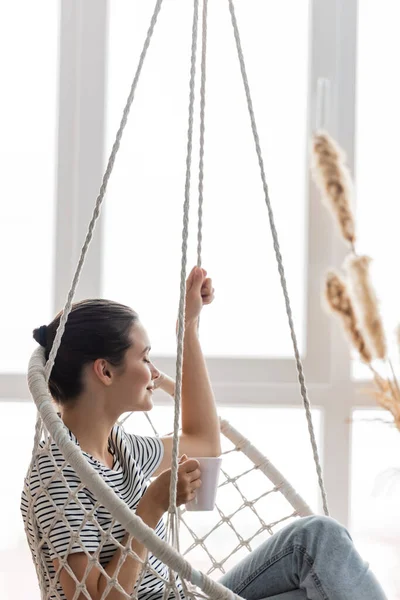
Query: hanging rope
(202,131)
(39,374)
(103,189)
(95,216)
(303,388)
(172,514)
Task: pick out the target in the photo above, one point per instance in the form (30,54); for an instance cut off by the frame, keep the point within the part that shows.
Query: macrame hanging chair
(241,458)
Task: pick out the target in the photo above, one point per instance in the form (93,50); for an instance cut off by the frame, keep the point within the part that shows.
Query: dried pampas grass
(388,396)
(366,303)
(353,299)
(332,177)
(339,302)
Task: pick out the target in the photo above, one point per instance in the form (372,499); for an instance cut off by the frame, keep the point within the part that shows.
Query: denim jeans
(312,558)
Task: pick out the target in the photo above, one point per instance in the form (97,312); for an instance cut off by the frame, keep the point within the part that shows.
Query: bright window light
(377,155)
(143,212)
(15,555)
(28,159)
(375,495)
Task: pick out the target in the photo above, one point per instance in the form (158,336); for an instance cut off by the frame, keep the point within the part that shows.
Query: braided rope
(105,496)
(39,374)
(202,131)
(96,213)
(300,371)
(172,525)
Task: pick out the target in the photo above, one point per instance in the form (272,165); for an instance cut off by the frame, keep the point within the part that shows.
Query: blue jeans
(312,558)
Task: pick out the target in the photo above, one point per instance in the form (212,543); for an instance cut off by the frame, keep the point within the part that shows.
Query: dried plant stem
(366,303)
(395,380)
(333,179)
(353,300)
(387,395)
(339,302)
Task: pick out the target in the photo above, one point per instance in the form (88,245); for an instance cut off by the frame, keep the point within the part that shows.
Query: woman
(103,370)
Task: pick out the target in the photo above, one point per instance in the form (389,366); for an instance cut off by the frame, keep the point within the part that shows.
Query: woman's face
(133,384)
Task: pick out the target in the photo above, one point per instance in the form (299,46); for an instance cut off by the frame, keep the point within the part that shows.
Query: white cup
(206,493)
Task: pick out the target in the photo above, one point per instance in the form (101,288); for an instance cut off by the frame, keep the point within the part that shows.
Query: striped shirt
(135,460)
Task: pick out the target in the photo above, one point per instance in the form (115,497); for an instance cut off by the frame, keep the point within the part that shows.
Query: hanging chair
(273,501)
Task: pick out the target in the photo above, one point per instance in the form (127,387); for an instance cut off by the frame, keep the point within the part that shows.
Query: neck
(91,425)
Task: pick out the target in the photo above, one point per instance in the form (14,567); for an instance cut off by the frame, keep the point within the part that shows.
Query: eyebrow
(147,349)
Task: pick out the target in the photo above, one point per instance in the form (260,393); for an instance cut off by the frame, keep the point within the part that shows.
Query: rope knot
(225,519)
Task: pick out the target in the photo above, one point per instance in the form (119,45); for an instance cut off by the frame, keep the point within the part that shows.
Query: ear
(103,371)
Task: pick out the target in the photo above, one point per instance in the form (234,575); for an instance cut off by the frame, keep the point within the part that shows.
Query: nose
(154,372)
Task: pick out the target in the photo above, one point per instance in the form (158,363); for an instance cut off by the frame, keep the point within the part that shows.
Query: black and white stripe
(62,519)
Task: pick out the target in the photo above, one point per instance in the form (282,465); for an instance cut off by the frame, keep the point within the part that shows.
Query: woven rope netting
(250,486)
(250,489)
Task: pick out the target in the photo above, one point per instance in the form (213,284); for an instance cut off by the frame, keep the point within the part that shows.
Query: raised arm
(200,424)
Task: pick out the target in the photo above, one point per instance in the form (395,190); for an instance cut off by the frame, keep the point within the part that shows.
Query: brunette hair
(94,329)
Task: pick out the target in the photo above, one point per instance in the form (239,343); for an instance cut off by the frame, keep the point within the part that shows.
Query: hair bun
(40,335)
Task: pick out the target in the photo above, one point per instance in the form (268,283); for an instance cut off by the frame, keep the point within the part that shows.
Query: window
(27,154)
(378,128)
(290,46)
(375,494)
(143,216)
(17,424)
